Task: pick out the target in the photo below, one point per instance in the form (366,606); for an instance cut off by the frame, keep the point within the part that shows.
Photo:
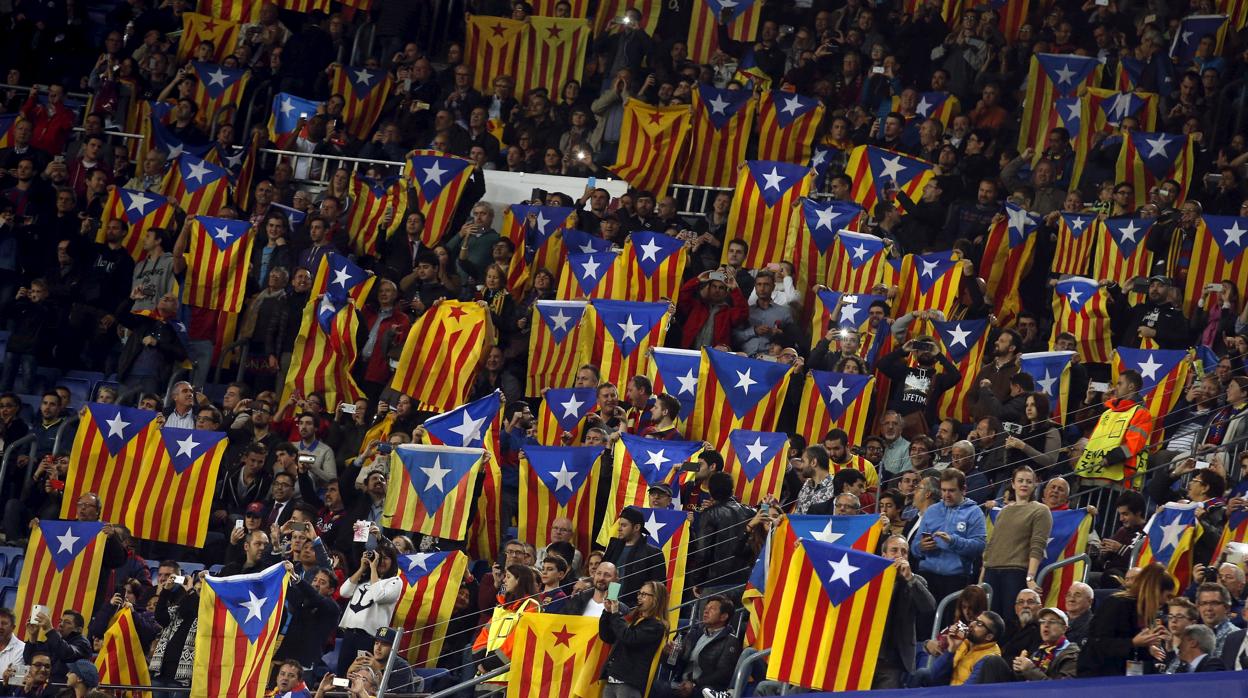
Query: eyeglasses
(644,593)
(1052,621)
(978,622)
(1211,603)
(41,665)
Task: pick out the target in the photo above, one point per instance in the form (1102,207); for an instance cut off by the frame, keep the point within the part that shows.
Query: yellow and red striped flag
(324,352)
(656,265)
(196,186)
(563,411)
(430,584)
(431,489)
(342,280)
(1217,254)
(242,11)
(61,571)
(365,92)
(1121,254)
(1072,114)
(651,140)
(937,105)
(537,233)
(1147,159)
(708,17)
(139,212)
(879,172)
(857,263)
(1164,372)
(964,342)
(1169,537)
(552,52)
(245,176)
(854,316)
(756,461)
(1008,254)
(201,29)
(217,88)
(668,530)
(1081,307)
(1076,239)
(558,482)
(288,118)
(304,6)
(812,241)
(722,122)
(638,463)
(833,400)
(370,202)
(929,282)
(546,8)
(439,181)
(122,659)
(218,256)
(493,48)
(620,335)
(1050,77)
(764,205)
(441,355)
(1069,538)
(1235,531)
(736,392)
(554,345)
(240,623)
(556,656)
(593,275)
(1237,14)
(787,124)
(1107,109)
(1051,369)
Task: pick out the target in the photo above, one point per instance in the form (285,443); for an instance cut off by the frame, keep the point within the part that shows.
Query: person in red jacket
(52,122)
(387,325)
(710,306)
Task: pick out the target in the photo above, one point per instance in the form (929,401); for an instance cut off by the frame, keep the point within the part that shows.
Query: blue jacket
(965,526)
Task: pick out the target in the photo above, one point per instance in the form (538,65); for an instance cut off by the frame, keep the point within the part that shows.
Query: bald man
(1079,611)
(589,602)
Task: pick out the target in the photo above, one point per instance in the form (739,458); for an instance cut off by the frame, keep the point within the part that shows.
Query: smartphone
(179,579)
(613,591)
(342,683)
(877,70)
(1202,464)
(764,509)
(19,676)
(307,460)
(35,611)
(299,526)
(361,653)
(592,183)
(59,158)
(717,276)
(347,407)
(238,524)
(1099,386)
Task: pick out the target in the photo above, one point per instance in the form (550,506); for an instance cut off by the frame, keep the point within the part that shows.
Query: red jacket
(694,310)
(378,368)
(50,131)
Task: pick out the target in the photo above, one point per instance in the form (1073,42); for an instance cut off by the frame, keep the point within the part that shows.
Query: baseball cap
(1061,615)
(254,509)
(633,515)
(85,671)
(1161,279)
(661,488)
(386,636)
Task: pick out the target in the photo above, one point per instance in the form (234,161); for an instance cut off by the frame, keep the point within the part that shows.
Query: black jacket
(313,618)
(1230,648)
(632,647)
(716,661)
(911,600)
(719,530)
(62,650)
(1108,645)
(636,565)
(1165,318)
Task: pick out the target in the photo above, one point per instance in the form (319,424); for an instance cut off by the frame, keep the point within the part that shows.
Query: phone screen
(613,591)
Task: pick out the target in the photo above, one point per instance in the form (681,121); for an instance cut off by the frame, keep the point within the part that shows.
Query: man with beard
(817,485)
(1158,318)
(1022,633)
(996,374)
(590,601)
(916,389)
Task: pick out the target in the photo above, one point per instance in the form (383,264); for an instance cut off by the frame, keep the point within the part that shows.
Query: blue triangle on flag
(744,381)
(547,221)
(662,524)
(932,267)
(288,110)
(1154,365)
(790,107)
(1022,223)
(1078,223)
(1077,291)
(930,102)
(838,390)
(888,166)
(139,204)
(679,370)
(435,470)
(1069,110)
(825,219)
(629,322)
(1066,72)
(1065,526)
(363,80)
(467,424)
(66,539)
(861,248)
(844,531)
(198,173)
(1128,233)
(224,232)
(416,566)
(185,446)
(117,424)
(958,337)
(432,173)
(252,599)
(327,312)
(579,241)
(344,276)
(570,405)
(1158,151)
(1046,367)
(653,249)
(841,570)
(561,317)
(563,469)
(854,306)
(656,460)
(589,269)
(1228,232)
(721,105)
(215,78)
(1166,530)
(756,449)
(774,179)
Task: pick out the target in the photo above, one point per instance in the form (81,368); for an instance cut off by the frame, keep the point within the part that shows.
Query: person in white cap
(1056,657)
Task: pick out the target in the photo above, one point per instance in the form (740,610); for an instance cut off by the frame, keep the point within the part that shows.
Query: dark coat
(1108,646)
(716,661)
(636,565)
(911,600)
(313,618)
(632,647)
(1230,648)
(717,541)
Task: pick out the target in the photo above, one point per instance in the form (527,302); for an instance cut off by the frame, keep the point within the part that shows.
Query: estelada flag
(201,29)
(109,440)
(438,181)
(964,342)
(556,656)
(1051,369)
(938,105)
(139,212)
(217,88)
(430,584)
(1050,77)
(620,334)
(342,280)
(1081,307)
(554,345)
(122,659)
(443,350)
(476,425)
(857,263)
(1164,372)
(370,202)
(736,392)
(787,124)
(1076,239)
(563,411)
(675,372)
(240,621)
(165,141)
(668,530)
(7,122)
(233,10)
(493,48)
(558,482)
(834,401)
(245,173)
(639,462)
(812,239)
(845,595)
(651,140)
(61,571)
(324,352)
(1147,159)
(593,275)
(878,173)
(722,122)
(756,461)
(431,489)
(1107,109)
(547,8)
(854,316)
(1168,540)
(741,24)
(364,91)
(552,52)
(764,205)
(196,186)
(1068,538)
(1191,30)
(1121,254)
(1008,253)
(218,255)
(656,265)
(1235,531)
(929,282)
(1217,254)
(535,232)
(288,118)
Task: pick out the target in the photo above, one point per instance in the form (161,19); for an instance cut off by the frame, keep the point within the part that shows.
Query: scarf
(1045,654)
(1221,420)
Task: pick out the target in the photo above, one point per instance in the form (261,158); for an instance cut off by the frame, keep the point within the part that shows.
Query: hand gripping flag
(342,280)
(1051,369)
(853,316)
(1192,30)
(620,335)
(563,411)
(1147,159)
(1081,307)
(1164,372)
(656,265)
(476,425)
(137,212)
(638,463)
(1077,234)
(121,659)
(558,482)
(1069,538)
(722,122)
(929,282)
(552,52)
(438,182)
(787,124)
(239,625)
(217,88)
(443,350)
(196,186)
(756,461)
(324,352)
(1050,77)
(218,255)
(371,202)
(764,205)
(668,530)
(534,230)
(878,172)
(61,571)
(651,140)
(736,392)
(964,342)
(1169,537)
(1008,253)
(556,656)
(554,344)
(493,48)
(834,401)
(675,372)
(741,24)
(845,595)
(1217,254)
(593,275)
(859,263)
(1235,531)
(431,489)
(364,91)
(813,237)
(201,29)
(289,117)
(430,584)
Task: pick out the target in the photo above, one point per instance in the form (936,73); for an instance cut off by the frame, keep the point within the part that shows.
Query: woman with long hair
(1128,623)
(517,595)
(374,590)
(1016,548)
(1039,442)
(634,638)
(1217,313)
(971,602)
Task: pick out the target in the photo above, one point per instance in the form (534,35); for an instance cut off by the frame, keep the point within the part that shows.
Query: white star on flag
(186,446)
(587,248)
(223,234)
(1018,219)
(827,535)
(1072,111)
(744,381)
(842,571)
(1074,296)
(650,251)
(542,221)
(198,171)
(435,474)
(286,108)
(860,251)
(563,477)
(892,167)
(923,107)
(929,268)
(469,430)
(116,425)
(175,152)
(561,320)
(363,76)
(572,406)
(1157,146)
(958,336)
(791,104)
(1148,368)
(217,77)
(849,313)
(67,541)
(825,217)
(774,179)
(819,157)
(1185,37)
(254,606)
(1234,233)
(417,561)
(590,268)
(755,451)
(657,459)
(139,202)
(718,105)
(1129,230)
(342,277)
(1047,382)
(434,174)
(836,393)
(1170,534)
(688,383)
(654,526)
(1065,75)
(629,327)
(1077,224)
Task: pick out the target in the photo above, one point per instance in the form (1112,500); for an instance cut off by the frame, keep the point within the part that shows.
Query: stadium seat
(8,596)
(215,569)
(93,376)
(191,567)
(331,657)
(30,406)
(434,679)
(15,566)
(79,390)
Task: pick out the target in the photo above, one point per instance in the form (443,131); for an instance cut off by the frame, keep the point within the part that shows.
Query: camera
(307,460)
(385,448)
(370,555)
(1012,428)
(347,407)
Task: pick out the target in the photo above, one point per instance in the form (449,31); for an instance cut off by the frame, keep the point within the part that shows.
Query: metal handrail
(10,451)
(60,431)
(749,656)
(385,675)
(355,41)
(474,681)
(107,133)
(267,91)
(1047,569)
(944,603)
(340,158)
(225,351)
(43,89)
